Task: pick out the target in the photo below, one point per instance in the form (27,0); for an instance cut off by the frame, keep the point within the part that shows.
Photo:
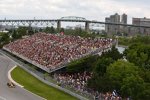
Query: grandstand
(51,52)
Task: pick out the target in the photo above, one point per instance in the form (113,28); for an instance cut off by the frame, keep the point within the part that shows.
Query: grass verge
(36,86)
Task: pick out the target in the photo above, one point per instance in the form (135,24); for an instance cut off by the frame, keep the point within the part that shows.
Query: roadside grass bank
(36,86)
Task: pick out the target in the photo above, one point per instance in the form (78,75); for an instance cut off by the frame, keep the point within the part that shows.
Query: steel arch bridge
(47,22)
(73,18)
(62,19)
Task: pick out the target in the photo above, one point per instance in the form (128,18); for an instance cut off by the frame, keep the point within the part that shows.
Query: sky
(89,9)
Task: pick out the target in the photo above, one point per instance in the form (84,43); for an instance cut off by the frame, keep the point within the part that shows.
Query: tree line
(130,77)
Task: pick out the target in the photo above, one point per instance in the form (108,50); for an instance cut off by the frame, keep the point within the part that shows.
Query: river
(120,49)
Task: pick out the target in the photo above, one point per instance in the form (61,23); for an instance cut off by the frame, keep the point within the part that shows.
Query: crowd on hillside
(78,82)
(54,50)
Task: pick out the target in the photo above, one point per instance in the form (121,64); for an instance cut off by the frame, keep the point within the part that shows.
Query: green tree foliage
(120,70)
(83,64)
(52,29)
(15,35)
(101,84)
(30,31)
(139,54)
(145,94)
(100,80)
(62,30)
(132,40)
(4,39)
(22,31)
(49,30)
(113,53)
(101,65)
(132,86)
(78,32)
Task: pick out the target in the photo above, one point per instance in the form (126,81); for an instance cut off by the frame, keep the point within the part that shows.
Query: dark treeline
(137,39)
(110,71)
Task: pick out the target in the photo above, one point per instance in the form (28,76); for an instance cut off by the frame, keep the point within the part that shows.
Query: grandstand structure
(52,52)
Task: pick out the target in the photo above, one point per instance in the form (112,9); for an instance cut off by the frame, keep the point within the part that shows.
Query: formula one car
(11,85)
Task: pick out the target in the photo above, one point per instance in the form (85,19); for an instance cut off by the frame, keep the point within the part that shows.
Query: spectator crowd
(78,82)
(54,50)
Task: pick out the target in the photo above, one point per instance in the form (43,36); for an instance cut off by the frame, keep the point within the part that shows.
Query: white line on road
(10,78)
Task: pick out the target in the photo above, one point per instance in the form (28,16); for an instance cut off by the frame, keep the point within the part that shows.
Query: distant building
(124,29)
(107,27)
(115,29)
(141,22)
(124,19)
(115,18)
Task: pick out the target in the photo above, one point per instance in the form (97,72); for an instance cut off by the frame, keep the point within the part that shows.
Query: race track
(7,93)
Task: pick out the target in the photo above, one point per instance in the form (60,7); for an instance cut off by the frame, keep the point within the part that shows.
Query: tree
(4,39)
(100,77)
(145,74)
(101,84)
(83,64)
(101,65)
(120,70)
(15,35)
(47,30)
(145,94)
(139,54)
(52,29)
(132,86)
(62,30)
(113,53)
(22,31)
(99,80)
(30,31)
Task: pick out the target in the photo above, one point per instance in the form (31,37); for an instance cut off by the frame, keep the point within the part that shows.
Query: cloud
(90,9)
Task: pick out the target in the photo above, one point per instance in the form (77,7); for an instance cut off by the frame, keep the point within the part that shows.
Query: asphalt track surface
(7,93)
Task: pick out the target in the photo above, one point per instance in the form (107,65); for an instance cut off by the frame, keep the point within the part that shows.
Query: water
(120,49)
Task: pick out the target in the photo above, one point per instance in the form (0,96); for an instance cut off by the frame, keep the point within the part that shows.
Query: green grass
(36,86)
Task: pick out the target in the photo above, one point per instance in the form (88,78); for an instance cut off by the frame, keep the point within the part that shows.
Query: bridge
(30,22)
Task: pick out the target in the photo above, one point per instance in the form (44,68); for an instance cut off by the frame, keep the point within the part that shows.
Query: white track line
(10,78)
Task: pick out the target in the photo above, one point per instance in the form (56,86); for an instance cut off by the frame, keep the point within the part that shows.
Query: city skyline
(92,10)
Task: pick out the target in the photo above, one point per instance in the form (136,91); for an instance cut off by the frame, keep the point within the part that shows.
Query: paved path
(6,93)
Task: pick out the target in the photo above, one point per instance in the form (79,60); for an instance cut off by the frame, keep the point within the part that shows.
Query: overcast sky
(90,9)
